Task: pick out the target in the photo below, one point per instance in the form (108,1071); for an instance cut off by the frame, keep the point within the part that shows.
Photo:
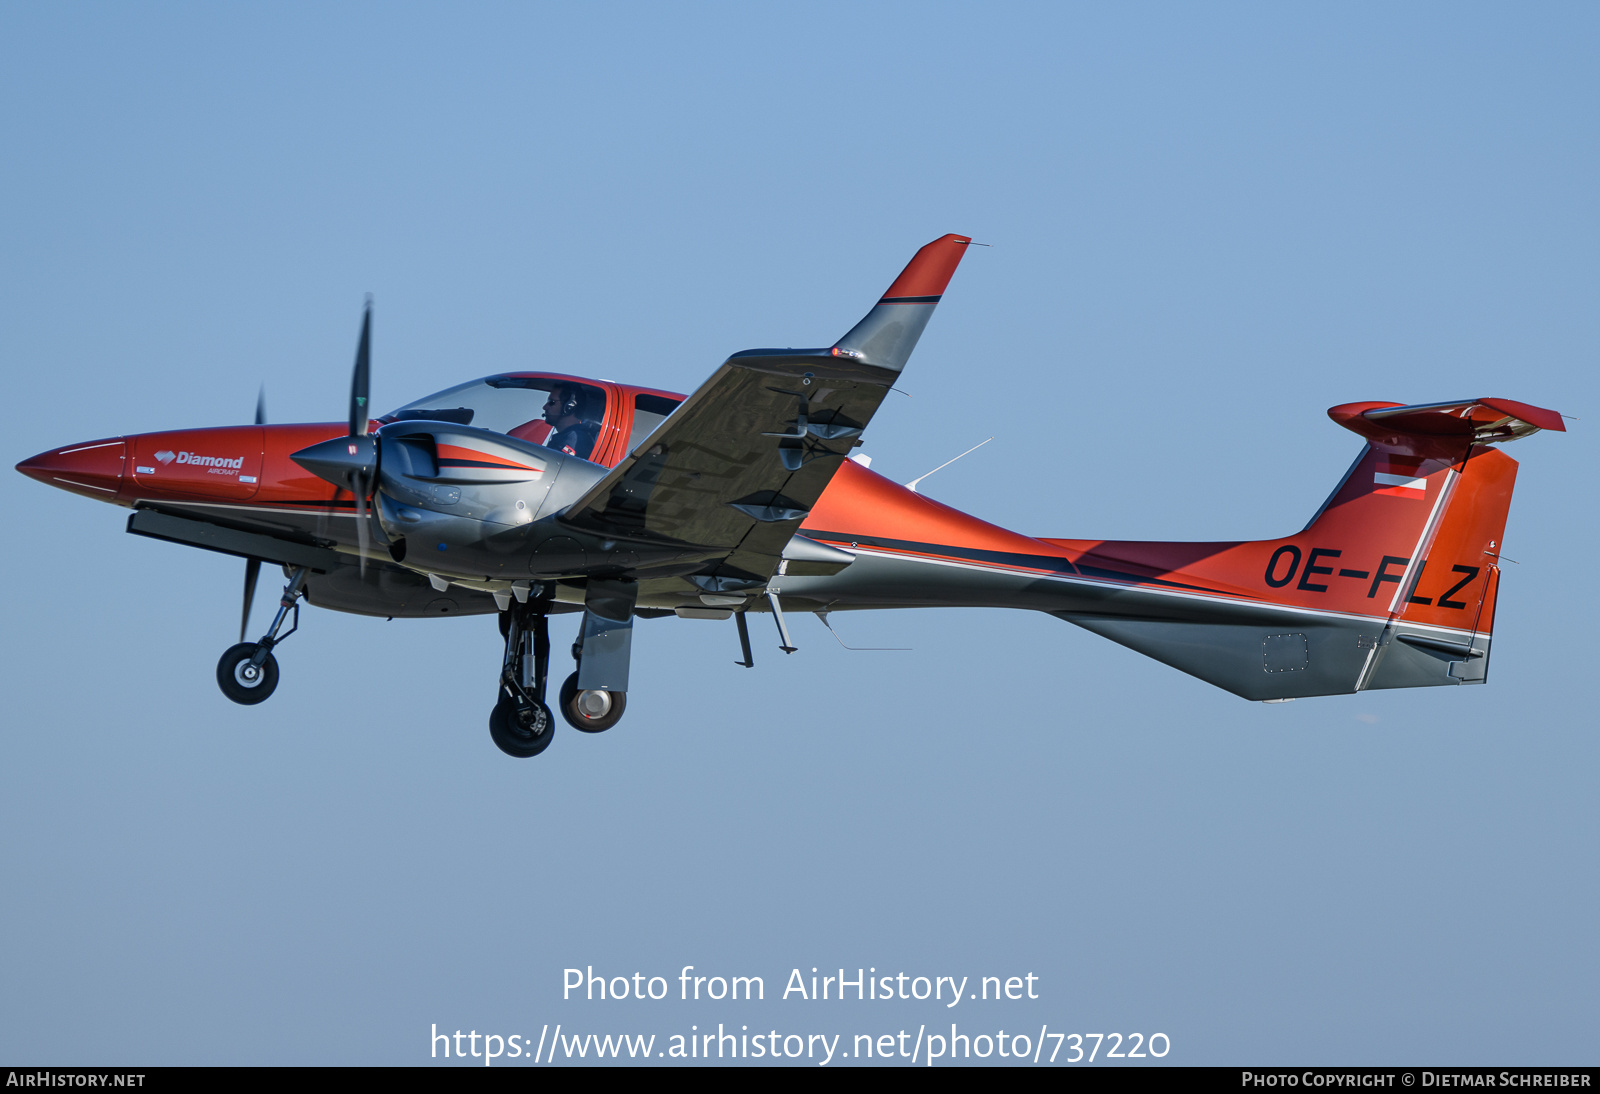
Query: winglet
(890,330)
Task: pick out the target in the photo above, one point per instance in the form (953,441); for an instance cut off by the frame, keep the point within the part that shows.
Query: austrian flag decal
(1400,478)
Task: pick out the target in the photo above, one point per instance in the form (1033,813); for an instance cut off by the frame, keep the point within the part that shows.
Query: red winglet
(929,270)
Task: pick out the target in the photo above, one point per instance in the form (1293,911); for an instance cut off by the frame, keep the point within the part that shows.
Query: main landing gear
(590,711)
(594,697)
(521,724)
(248,673)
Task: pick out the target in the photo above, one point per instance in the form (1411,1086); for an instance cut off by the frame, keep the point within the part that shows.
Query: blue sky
(1208,224)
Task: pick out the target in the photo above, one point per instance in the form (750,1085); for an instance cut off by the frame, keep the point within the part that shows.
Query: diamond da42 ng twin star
(529,494)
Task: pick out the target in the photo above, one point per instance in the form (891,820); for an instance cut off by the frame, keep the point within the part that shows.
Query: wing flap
(736,455)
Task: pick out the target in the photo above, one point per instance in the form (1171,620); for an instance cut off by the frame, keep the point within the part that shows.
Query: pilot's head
(561,408)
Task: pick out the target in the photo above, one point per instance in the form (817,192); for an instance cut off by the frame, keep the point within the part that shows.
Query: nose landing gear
(247,672)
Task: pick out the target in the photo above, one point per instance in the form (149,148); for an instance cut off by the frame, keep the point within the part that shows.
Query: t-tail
(1391,585)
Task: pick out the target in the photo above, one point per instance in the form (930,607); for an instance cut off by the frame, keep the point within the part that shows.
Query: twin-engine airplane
(531,494)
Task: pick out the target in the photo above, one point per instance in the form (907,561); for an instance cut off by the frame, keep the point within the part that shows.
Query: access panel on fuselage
(210,463)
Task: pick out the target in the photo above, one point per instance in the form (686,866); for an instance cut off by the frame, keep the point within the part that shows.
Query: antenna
(822,617)
(912,485)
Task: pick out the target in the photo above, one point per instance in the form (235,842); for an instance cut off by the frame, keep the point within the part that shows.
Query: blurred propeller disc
(252,566)
(360,379)
(252,571)
(360,382)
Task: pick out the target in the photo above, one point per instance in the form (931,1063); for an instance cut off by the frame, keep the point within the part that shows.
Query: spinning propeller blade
(360,382)
(360,378)
(252,566)
(362,537)
(252,571)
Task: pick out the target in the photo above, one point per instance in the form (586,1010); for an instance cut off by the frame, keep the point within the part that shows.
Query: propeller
(351,462)
(252,566)
(360,380)
(252,573)
(361,377)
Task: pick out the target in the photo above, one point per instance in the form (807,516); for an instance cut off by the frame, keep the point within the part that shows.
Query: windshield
(558,413)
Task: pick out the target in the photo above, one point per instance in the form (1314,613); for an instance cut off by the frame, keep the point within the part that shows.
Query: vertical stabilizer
(1391,585)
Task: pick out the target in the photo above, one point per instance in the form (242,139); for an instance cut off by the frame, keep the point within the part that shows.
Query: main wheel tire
(242,682)
(515,738)
(591,711)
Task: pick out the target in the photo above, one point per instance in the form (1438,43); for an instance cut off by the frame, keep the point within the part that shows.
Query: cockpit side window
(649,411)
(574,414)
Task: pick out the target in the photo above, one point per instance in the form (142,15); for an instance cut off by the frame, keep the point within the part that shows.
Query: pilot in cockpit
(570,429)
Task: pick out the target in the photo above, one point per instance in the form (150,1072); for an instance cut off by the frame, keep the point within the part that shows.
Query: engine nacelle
(472,496)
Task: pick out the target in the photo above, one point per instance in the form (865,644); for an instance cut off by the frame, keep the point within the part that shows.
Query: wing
(729,476)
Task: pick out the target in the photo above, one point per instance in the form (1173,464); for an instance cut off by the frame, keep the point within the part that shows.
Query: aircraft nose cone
(93,469)
(340,459)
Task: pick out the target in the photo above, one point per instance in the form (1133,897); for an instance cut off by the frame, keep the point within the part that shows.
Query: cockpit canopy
(599,421)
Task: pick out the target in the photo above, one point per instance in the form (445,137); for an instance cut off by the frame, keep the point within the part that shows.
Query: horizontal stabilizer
(1480,421)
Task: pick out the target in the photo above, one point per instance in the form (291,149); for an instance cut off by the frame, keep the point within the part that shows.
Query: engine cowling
(445,487)
(470,497)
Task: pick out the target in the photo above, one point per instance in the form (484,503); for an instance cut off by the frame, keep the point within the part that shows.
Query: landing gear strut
(594,697)
(247,672)
(521,723)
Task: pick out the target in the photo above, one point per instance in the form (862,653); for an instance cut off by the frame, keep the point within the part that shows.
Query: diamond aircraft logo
(165,456)
(225,463)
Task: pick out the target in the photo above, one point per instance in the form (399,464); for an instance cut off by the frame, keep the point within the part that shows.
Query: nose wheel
(591,711)
(244,680)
